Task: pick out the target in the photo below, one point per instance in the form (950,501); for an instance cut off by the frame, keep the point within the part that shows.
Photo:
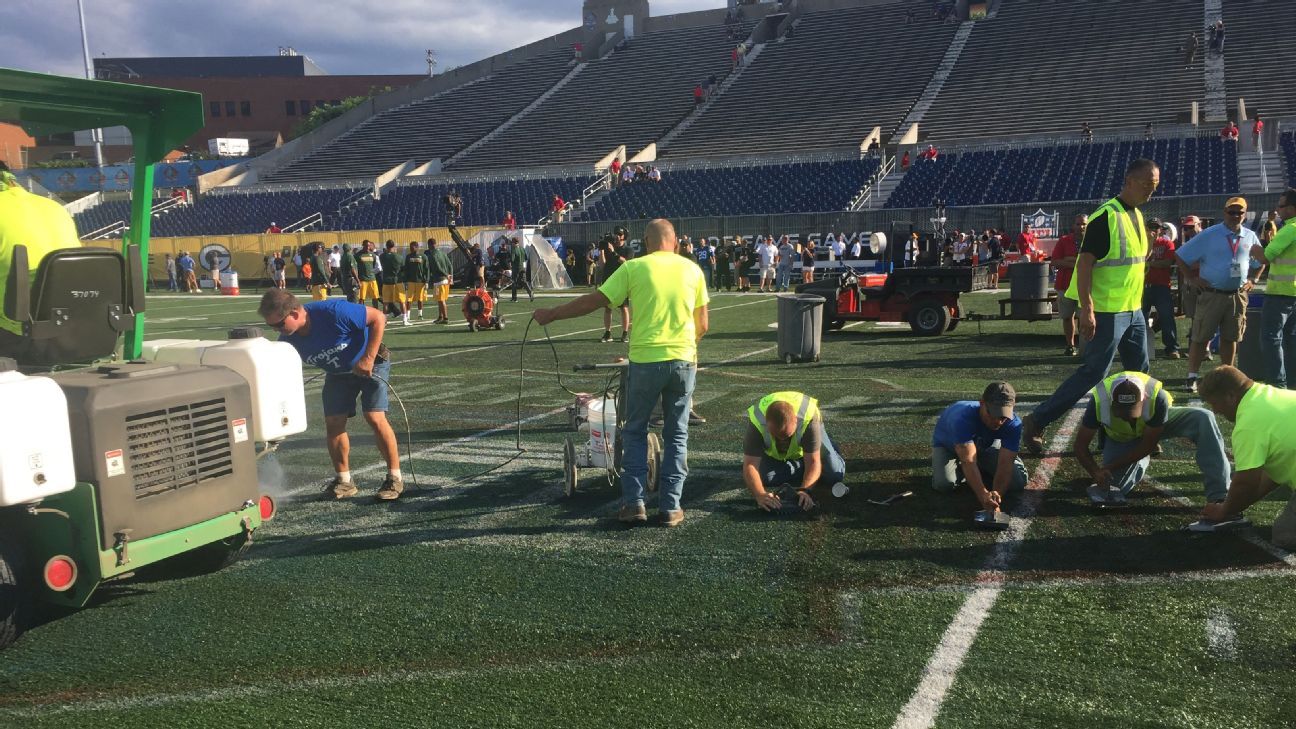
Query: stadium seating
(631,97)
(1257,57)
(418,204)
(1078,171)
(435,128)
(842,73)
(227,213)
(789,188)
(1046,66)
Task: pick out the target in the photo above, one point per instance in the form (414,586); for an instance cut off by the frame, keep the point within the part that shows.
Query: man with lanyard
(1108,286)
(440,276)
(1135,413)
(393,284)
(615,254)
(975,441)
(344,340)
(705,260)
(521,277)
(671,317)
(1264,453)
(1227,273)
(347,274)
(367,273)
(415,274)
(787,453)
(1278,321)
(1064,260)
(1156,292)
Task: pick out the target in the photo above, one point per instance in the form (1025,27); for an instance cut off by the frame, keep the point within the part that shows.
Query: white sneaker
(405,321)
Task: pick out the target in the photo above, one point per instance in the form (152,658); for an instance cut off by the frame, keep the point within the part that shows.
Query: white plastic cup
(840,489)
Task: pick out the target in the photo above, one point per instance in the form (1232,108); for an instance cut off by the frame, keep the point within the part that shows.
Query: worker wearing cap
(39,223)
(786,448)
(1264,452)
(1108,284)
(1156,291)
(976,441)
(1135,412)
(1278,321)
(1225,276)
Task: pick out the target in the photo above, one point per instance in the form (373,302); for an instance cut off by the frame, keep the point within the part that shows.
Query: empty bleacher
(417,204)
(842,73)
(227,213)
(631,97)
(1258,56)
(807,187)
(1047,66)
(1204,165)
(434,128)
(1287,145)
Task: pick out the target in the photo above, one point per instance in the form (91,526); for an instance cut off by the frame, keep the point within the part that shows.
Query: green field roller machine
(116,453)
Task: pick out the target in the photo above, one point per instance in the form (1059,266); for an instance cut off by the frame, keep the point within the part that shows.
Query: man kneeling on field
(978,440)
(1135,413)
(344,340)
(786,443)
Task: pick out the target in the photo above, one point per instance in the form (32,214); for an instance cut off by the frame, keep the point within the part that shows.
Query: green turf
(491,600)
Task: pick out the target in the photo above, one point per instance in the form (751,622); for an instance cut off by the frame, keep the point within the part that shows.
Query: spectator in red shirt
(1229,132)
(1026,246)
(698,95)
(1064,260)
(930,153)
(904,161)
(578,52)
(1156,286)
(510,223)
(1257,129)
(274,228)
(559,206)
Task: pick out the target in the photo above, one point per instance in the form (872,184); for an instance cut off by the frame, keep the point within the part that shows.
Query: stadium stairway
(886,186)
(1253,175)
(700,109)
(518,116)
(937,81)
(1259,55)
(1215,109)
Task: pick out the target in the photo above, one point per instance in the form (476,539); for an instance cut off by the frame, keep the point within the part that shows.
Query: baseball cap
(999,398)
(1153,224)
(1192,220)
(1127,398)
(1236,201)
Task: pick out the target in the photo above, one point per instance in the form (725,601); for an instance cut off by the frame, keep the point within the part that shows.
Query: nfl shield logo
(1041,224)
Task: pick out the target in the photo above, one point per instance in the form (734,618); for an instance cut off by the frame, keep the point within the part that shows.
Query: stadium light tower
(431,61)
(95,134)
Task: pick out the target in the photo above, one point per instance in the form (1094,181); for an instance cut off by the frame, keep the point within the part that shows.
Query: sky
(386,37)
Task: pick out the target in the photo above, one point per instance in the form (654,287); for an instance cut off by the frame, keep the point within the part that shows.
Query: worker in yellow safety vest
(787,454)
(1278,319)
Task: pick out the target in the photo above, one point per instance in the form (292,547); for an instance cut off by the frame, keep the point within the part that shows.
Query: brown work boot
(672,518)
(342,489)
(391,490)
(1031,437)
(632,515)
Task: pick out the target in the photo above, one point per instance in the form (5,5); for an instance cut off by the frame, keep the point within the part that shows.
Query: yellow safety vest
(1282,270)
(1118,277)
(38,223)
(806,407)
(1120,429)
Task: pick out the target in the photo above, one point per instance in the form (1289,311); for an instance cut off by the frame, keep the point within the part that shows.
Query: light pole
(95,134)
(431,61)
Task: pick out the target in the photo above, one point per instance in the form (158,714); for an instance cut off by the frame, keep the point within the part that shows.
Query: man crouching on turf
(344,340)
(786,443)
(975,441)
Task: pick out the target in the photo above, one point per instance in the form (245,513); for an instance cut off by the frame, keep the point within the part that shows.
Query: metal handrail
(304,223)
(106,231)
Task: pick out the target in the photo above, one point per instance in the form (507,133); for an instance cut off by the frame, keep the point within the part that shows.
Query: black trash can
(1250,359)
(800,327)
(1029,281)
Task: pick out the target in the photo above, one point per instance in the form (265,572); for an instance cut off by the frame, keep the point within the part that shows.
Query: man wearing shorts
(766,254)
(366,262)
(393,283)
(441,277)
(415,280)
(344,340)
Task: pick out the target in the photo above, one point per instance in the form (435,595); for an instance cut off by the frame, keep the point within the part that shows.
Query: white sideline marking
(1221,636)
(1248,536)
(943,667)
(1102,581)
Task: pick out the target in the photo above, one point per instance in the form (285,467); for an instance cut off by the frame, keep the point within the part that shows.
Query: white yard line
(1221,636)
(1248,535)
(943,666)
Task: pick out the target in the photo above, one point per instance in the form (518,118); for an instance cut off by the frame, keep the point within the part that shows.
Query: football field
(492,600)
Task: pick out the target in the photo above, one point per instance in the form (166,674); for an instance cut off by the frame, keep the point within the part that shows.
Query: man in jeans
(1278,321)
(1108,284)
(671,299)
(1157,294)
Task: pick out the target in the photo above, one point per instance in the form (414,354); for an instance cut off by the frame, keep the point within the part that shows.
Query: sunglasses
(1232,211)
(277,325)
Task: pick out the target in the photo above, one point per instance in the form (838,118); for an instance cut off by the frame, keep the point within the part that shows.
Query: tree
(321,115)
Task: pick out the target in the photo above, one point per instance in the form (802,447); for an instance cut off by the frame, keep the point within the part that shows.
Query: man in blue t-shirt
(345,340)
(976,441)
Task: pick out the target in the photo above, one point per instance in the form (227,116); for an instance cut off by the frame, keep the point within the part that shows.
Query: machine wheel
(472,325)
(15,593)
(836,324)
(499,324)
(654,461)
(929,317)
(788,359)
(954,321)
(571,472)
(213,557)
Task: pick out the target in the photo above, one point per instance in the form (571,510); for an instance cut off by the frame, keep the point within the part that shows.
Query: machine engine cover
(166,446)
(35,440)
